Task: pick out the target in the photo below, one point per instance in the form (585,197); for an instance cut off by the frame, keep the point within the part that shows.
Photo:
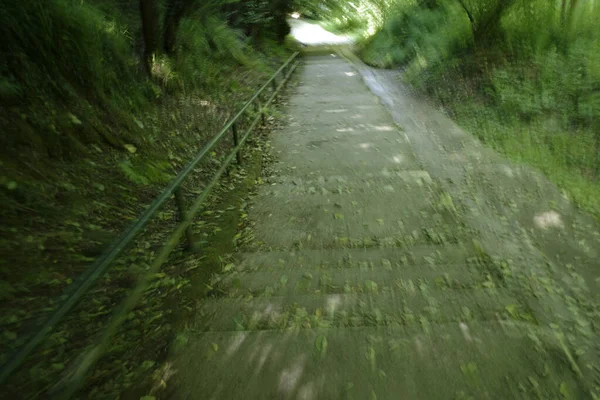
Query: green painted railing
(103,263)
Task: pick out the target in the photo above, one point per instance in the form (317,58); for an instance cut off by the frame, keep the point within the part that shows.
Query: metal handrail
(101,265)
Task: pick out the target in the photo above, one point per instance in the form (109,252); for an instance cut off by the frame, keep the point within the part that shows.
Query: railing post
(181,214)
(260,110)
(238,154)
(274,84)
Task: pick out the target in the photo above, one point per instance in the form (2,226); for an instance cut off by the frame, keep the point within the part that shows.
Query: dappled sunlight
(350,73)
(290,377)
(384,128)
(307,392)
(398,159)
(508,171)
(365,145)
(419,345)
(264,354)
(236,344)
(465,332)
(332,303)
(339,110)
(548,219)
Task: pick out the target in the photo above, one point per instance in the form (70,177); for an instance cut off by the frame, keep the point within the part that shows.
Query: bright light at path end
(313,34)
(295,15)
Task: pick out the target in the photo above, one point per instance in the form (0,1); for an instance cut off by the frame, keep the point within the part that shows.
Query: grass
(529,93)
(532,144)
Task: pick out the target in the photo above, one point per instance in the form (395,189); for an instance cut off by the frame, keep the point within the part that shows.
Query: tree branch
(462,3)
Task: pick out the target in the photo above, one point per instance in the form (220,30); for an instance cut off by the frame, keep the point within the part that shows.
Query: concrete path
(377,273)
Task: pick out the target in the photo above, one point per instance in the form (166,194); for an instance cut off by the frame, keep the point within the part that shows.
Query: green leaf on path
(512,310)
(386,264)
(339,216)
(371,286)
(469,368)
(321,344)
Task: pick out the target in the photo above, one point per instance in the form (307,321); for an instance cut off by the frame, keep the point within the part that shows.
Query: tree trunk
(149,15)
(431,4)
(488,28)
(175,10)
(571,11)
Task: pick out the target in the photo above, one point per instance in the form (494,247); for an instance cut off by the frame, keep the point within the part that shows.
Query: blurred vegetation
(102,102)
(523,75)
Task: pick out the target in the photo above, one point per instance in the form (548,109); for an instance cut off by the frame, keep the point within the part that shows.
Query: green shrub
(533,90)
(64,48)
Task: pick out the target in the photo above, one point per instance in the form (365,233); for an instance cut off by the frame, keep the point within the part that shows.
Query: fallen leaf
(371,286)
(321,344)
(74,119)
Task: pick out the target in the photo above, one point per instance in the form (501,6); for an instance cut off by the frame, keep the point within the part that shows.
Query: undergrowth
(88,140)
(528,85)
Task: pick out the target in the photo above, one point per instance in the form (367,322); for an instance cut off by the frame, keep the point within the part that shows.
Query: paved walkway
(369,279)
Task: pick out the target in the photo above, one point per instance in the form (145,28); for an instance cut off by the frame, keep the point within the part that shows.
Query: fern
(127,169)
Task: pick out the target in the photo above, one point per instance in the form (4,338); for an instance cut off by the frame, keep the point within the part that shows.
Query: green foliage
(146,172)
(90,137)
(345,24)
(70,42)
(524,76)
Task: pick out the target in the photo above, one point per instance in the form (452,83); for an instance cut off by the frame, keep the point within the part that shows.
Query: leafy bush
(529,83)
(81,48)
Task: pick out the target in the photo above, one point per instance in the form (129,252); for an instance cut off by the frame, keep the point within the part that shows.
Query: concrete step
(337,259)
(380,134)
(319,109)
(348,89)
(362,305)
(322,56)
(466,360)
(356,156)
(385,275)
(418,216)
(333,99)
(382,181)
(321,117)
